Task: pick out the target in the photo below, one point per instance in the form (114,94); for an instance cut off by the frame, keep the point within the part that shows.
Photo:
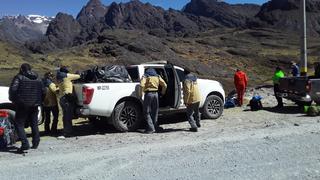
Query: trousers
(240,94)
(55,113)
(67,111)
(30,114)
(150,109)
(193,114)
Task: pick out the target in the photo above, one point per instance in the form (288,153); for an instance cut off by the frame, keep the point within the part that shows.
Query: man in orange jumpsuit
(241,82)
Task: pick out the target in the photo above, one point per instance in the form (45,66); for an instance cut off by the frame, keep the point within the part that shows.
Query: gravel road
(268,144)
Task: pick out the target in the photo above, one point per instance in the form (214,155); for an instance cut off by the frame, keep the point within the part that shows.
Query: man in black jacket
(26,92)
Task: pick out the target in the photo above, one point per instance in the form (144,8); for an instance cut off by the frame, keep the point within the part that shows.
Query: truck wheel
(127,116)
(213,107)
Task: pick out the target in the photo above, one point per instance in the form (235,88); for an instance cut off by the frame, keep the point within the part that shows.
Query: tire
(8,106)
(127,116)
(213,107)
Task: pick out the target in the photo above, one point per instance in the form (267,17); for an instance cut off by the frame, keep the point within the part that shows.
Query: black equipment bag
(113,73)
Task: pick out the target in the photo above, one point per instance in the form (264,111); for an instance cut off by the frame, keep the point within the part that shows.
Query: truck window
(160,71)
(180,74)
(134,73)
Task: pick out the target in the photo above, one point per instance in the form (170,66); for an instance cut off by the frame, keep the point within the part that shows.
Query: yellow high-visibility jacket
(191,93)
(66,87)
(50,99)
(152,83)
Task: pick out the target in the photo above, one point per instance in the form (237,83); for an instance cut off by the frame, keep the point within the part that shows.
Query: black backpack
(7,130)
(255,103)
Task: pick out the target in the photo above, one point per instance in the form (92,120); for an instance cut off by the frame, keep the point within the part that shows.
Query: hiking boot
(35,145)
(198,124)
(159,129)
(194,129)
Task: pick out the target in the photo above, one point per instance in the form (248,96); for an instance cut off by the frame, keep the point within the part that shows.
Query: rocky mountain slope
(226,14)
(285,15)
(211,37)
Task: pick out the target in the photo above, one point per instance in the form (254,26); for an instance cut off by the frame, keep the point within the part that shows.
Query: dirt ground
(267,144)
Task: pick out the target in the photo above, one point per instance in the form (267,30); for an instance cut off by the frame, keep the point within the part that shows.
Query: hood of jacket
(191,77)
(150,72)
(29,74)
(61,75)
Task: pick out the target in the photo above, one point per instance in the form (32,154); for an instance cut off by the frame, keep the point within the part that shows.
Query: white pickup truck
(5,103)
(121,105)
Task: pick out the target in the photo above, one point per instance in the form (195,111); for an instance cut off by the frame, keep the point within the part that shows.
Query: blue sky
(52,7)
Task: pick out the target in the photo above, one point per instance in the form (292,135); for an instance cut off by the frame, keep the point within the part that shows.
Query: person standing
(150,84)
(26,92)
(67,99)
(295,71)
(191,97)
(278,74)
(50,104)
(240,82)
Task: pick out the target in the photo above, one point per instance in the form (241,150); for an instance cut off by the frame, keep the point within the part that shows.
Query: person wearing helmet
(67,99)
(191,98)
(295,71)
(150,84)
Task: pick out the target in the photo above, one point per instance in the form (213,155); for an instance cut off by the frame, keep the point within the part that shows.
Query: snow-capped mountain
(38,19)
(21,28)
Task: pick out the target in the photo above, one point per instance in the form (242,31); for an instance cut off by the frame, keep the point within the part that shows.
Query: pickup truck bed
(303,90)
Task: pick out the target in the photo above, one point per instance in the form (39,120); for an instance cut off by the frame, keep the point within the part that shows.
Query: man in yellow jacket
(67,99)
(50,104)
(150,83)
(191,97)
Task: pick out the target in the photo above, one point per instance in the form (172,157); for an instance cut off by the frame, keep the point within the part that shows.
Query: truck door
(174,84)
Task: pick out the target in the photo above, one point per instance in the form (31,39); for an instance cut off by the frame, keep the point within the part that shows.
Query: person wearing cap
(26,93)
(67,99)
(278,74)
(240,82)
(50,104)
(295,71)
(191,98)
(150,84)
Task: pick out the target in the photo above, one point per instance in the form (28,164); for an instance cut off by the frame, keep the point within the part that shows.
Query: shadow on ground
(86,128)
(285,110)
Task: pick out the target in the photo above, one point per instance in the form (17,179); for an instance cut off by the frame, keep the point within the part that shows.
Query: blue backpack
(255,103)
(230,103)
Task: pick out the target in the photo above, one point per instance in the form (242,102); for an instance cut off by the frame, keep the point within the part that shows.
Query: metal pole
(303,51)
